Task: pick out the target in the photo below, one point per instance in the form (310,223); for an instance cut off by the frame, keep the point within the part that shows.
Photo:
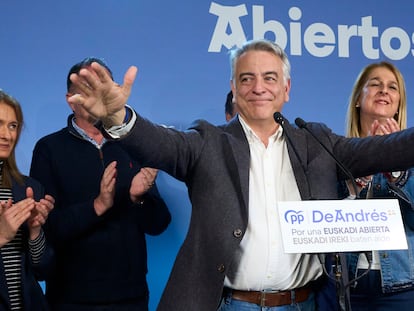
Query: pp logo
(294,217)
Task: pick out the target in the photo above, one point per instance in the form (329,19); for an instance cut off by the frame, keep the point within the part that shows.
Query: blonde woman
(378,106)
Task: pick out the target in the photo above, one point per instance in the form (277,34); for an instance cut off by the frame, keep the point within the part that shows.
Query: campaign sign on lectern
(341,225)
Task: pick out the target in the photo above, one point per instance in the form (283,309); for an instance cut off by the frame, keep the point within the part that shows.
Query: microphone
(303,125)
(279,119)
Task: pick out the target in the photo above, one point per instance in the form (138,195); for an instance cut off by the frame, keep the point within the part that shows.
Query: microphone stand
(341,286)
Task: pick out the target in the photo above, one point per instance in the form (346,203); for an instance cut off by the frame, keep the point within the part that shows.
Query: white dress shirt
(261,263)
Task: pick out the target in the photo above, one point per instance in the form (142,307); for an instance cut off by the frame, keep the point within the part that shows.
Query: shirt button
(237,233)
(221,268)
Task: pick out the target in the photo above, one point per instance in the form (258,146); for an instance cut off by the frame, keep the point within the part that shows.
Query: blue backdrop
(181,50)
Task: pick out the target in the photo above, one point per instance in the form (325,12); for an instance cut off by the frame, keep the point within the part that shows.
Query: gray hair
(260,45)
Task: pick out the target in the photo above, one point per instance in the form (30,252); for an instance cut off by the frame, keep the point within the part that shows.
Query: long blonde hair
(353,124)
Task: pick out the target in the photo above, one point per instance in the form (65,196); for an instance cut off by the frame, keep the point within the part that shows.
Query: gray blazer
(213,161)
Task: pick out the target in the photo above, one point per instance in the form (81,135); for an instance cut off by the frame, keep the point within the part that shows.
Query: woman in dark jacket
(25,257)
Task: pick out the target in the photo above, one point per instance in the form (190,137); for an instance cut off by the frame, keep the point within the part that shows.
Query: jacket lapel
(237,158)
(297,149)
(236,148)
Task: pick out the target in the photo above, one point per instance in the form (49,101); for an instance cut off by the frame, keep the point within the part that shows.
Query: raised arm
(100,95)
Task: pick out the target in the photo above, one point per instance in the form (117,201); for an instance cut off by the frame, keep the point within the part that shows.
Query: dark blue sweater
(100,259)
